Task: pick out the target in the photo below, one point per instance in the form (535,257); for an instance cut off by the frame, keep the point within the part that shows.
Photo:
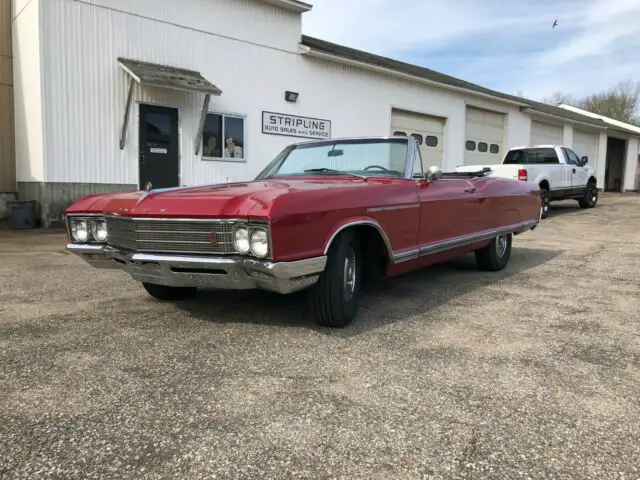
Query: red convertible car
(328,216)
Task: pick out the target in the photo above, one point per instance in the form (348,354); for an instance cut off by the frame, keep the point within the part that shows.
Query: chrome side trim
(461,241)
(393,207)
(371,223)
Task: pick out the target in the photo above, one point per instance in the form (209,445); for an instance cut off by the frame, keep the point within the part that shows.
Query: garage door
(545,134)
(484,137)
(426,129)
(586,144)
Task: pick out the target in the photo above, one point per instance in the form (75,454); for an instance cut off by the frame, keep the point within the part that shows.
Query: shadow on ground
(391,301)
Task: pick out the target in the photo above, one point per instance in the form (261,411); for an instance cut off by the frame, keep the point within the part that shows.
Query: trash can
(22,214)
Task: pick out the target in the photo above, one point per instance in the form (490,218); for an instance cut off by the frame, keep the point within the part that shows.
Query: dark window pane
(399,134)
(431,141)
(470,145)
(212,136)
(482,147)
(158,128)
(531,156)
(417,137)
(493,148)
(234,137)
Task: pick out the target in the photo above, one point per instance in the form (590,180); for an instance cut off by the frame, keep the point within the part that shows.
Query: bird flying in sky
(555,23)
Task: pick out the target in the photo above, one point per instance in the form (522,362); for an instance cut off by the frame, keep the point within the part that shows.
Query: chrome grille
(171,236)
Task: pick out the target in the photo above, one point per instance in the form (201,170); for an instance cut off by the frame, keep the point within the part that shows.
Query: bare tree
(621,102)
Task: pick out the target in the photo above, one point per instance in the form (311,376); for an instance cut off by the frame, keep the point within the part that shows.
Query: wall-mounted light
(291,96)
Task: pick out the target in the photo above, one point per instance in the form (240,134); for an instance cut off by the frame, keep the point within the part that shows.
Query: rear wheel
(163,292)
(334,299)
(590,197)
(544,202)
(496,255)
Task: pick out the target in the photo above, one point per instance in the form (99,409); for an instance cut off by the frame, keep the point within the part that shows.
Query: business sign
(294,126)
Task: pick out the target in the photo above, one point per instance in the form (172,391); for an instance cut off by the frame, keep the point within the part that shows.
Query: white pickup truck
(561,174)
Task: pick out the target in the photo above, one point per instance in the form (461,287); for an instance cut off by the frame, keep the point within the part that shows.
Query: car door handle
(470,190)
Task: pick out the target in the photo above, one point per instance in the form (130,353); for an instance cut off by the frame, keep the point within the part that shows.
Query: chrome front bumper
(224,272)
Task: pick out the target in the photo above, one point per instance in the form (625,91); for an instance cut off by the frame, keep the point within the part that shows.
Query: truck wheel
(495,256)
(544,202)
(162,292)
(334,299)
(590,197)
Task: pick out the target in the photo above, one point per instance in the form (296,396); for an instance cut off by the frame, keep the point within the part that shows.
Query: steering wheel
(377,166)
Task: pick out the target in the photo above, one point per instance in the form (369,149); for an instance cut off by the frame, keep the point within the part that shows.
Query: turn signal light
(522,174)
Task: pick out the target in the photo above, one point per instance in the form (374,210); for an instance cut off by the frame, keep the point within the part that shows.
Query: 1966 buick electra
(327,216)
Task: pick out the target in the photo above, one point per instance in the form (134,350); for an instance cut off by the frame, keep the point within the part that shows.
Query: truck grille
(171,236)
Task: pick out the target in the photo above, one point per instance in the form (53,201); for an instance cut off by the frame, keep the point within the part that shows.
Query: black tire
(590,198)
(545,202)
(162,292)
(331,305)
(496,255)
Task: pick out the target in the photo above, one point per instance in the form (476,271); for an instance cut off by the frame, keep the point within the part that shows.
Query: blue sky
(500,44)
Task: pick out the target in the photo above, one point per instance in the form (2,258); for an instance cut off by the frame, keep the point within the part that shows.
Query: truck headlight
(259,243)
(99,230)
(79,230)
(241,240)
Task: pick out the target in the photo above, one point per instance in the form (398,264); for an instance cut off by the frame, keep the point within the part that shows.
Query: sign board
(294,126)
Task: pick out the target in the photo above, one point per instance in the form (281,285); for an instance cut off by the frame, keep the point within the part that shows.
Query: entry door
(158,143)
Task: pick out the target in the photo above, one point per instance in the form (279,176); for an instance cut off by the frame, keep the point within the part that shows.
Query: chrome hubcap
(501,245)
(349,276)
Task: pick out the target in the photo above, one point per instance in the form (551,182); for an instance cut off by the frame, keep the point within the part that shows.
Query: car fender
(541,177)
(361,220)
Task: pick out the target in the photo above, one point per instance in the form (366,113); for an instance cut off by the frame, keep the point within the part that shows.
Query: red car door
(449,211)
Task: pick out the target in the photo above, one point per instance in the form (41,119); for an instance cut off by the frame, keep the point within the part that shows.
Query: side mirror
(584,160)
(433,173)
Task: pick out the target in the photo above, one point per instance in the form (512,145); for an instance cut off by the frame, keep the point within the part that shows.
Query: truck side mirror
(585,160)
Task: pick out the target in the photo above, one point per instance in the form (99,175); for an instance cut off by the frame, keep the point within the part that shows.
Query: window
(572,158)
(531,156)
(223,137)
(493,148)
(431,141)
(470,145)
(418,138)
(399,134)
(482,147)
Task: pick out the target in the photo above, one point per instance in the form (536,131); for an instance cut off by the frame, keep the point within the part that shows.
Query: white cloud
(594,46)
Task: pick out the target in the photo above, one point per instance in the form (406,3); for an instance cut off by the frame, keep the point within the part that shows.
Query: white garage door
(426,129)
(484,137)
(586,144)
(545,134)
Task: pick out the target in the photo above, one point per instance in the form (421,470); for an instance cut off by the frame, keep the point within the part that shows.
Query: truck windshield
(359,157)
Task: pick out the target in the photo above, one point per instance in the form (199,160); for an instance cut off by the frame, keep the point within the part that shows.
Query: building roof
(611,122)
(322,47)
(294,5)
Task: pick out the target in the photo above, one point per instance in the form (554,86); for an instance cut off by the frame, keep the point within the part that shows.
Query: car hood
(246,199)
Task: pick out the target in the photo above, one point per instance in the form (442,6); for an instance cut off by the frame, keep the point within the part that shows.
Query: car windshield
(357,157)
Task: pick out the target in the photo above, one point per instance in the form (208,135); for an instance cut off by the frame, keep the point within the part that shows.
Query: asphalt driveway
(533,372)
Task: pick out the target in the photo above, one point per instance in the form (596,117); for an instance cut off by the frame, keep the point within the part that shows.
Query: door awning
(156,75)
(165,76)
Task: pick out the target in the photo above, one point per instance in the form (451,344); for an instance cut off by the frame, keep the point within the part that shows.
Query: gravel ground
(533,372)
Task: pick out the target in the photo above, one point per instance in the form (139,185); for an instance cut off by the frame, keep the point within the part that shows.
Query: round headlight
(99,230)
(79,230)
(259,243)
(241,240)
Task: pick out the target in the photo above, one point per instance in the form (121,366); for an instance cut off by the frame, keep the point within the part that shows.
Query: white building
(109,95)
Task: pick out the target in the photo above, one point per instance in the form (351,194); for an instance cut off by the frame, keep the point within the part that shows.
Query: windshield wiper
(331,170)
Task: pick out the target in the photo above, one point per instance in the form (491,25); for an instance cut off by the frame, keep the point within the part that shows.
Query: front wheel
(590,197)
(496,255)
(334,299)
(163,292)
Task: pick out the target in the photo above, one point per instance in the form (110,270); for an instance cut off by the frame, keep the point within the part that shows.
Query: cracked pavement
(448,373)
